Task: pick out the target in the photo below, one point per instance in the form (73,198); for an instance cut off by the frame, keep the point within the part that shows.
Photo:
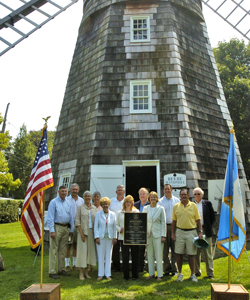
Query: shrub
(9,210)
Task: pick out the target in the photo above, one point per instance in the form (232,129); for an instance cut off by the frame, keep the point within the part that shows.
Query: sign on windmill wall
(175,180)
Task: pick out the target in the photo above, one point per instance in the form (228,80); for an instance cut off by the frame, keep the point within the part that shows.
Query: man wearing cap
(207,215)
(168,201)
(59,221)
(186,221)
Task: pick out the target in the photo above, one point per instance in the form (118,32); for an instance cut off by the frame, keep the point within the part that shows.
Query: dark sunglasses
(197,194)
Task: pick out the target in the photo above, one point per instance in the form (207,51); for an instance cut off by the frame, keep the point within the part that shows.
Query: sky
(33,74)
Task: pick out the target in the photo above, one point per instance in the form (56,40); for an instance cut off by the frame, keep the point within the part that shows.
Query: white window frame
(62,181)
(132,29)
(134,83)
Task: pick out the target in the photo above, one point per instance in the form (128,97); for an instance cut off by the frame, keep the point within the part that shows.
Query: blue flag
(232,193)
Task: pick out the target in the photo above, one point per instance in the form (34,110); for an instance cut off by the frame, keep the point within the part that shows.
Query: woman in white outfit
(84,221)
(105,237)
(156,235)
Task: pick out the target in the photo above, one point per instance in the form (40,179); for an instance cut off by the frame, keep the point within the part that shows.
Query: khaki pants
(208,256)
(169,267)
(57,249)
(184,240)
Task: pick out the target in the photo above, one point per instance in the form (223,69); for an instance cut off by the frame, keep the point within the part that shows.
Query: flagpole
(230,223)
(43,210)
(41,280)
(230,233)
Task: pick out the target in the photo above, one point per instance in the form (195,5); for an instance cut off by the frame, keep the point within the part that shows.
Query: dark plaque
(135,228)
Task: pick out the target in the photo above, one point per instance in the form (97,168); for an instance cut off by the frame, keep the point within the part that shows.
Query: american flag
(40,179)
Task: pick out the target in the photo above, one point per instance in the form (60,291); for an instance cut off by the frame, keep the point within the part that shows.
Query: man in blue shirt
(59,221)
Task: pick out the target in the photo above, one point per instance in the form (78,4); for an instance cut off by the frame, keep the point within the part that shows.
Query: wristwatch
(200,231)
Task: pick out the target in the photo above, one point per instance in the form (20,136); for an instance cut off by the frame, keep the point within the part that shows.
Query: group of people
(96,233)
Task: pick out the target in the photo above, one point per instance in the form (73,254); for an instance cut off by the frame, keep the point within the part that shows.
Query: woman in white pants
(105,237)
(156,235)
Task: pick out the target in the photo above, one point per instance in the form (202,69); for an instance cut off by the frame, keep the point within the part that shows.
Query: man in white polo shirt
(168,201)
(75,202)
(115,206)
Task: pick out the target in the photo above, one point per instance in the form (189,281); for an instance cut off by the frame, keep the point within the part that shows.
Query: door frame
(144,163)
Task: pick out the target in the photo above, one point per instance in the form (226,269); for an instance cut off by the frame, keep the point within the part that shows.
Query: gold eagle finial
(46,120)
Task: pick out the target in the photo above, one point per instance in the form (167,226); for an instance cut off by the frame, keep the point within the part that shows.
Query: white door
(105,179)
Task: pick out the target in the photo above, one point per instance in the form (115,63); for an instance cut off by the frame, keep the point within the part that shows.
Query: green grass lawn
(20,274)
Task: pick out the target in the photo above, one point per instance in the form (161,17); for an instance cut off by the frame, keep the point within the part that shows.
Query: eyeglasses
(197,194)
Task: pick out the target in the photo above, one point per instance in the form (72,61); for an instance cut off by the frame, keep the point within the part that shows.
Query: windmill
(171,64)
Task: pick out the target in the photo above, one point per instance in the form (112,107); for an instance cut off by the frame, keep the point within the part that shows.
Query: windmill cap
(200,243)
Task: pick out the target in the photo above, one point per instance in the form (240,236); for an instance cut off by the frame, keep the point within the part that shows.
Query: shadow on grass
(20,274)
(118,288)
(19,271)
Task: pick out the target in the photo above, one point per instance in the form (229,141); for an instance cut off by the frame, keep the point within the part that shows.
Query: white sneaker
(193,278)
(180,277)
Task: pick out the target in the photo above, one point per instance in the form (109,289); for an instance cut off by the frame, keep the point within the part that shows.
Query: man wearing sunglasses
(207,215)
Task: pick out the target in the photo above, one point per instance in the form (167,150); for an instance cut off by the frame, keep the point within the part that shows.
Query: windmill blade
(21,18)
(234,12)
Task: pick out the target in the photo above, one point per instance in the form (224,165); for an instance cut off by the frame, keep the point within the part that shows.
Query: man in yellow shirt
(185,221)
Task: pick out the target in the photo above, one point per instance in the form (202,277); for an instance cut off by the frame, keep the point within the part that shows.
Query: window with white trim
(140,96)
(140,29)
(65,180)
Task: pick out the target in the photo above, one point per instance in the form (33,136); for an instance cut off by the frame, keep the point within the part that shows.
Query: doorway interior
(140,176)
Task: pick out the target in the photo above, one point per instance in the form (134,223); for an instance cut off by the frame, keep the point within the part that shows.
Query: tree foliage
(233,61)
(35,138)
(21,160)
(7,182)
(23,155)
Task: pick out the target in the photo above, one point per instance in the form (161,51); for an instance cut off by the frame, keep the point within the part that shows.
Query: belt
(186,229)
(60,224)
(169,223)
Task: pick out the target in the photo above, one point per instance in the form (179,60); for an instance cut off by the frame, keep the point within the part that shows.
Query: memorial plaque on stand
(135,228)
